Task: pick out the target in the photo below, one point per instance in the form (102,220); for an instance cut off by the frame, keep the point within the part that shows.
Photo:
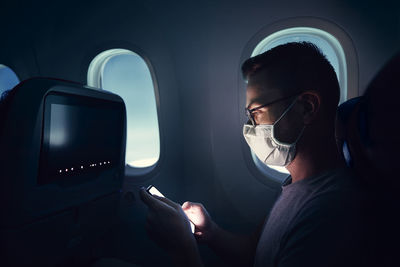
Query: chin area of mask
(267,148)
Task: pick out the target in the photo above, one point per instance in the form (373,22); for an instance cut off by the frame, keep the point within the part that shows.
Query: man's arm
(238,250)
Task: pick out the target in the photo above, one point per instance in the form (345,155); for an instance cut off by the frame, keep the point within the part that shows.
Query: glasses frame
(249,112)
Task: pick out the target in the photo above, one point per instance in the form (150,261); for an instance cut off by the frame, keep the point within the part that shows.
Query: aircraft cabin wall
(195,50)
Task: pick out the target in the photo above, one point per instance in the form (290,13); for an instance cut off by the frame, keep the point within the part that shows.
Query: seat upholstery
(53,224)
(368,133)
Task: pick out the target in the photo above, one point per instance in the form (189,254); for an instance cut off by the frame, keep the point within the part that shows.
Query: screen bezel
(78,101)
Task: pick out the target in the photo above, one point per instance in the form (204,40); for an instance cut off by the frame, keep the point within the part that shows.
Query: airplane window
(329,46)
(8,79)
(127,74)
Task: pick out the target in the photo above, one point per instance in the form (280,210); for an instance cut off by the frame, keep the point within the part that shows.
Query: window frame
(95,69)
(265,175)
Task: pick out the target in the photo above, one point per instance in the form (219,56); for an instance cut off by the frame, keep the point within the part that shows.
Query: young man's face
(264,115)
(288,128)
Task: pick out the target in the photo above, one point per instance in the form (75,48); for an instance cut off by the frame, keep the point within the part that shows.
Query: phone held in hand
(152,190)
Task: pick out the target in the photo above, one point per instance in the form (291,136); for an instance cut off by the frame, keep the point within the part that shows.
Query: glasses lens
(250,117)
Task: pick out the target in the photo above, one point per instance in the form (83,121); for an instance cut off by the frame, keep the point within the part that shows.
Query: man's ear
(311,102)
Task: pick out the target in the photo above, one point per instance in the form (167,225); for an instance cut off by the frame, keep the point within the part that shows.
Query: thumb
(148,199)
(187,205)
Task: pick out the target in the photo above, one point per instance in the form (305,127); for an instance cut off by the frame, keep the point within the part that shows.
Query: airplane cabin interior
(102,98)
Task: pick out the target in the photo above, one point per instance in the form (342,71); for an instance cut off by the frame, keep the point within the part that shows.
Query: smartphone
(152,190)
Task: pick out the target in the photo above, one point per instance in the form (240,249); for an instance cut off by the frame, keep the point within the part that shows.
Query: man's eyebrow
(257,100)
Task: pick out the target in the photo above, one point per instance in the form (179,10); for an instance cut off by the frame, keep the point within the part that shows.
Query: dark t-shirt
(316,221)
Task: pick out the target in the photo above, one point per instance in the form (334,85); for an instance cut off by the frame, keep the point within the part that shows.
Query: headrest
(343,116)
(367,127)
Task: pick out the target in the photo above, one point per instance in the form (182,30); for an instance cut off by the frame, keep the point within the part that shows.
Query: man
(292,96)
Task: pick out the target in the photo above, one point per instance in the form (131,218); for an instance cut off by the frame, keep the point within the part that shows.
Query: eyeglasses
(249,112)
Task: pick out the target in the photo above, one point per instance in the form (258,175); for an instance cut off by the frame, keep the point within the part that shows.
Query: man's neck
(313,159)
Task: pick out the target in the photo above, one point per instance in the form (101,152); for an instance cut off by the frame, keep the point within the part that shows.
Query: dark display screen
(81,137)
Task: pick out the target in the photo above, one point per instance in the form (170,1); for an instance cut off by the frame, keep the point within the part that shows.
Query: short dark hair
(296,67)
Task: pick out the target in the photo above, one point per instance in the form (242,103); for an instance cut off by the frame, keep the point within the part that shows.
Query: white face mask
(267,148)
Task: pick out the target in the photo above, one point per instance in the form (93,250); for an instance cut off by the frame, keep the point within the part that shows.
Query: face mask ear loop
(300,135)
(297,139)
(283,114)
(286,111)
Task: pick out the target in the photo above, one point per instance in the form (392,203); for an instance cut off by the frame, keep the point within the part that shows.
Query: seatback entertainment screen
(82,136)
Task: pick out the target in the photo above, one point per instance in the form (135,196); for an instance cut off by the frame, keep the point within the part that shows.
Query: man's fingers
(148,199)
(167,201)
(187,205)
(192,207)
(156,202)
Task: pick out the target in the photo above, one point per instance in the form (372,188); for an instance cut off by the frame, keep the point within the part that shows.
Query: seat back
(62,156)
(366,128)
(367,133)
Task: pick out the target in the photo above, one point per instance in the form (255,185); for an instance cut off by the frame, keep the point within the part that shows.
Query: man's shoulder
(337,194)
(328,217)
(338,181)
(324,193)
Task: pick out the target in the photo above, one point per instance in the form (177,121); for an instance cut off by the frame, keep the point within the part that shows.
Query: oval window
(127,74)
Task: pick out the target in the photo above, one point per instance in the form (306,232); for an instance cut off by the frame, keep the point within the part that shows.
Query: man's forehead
(255,94)
(259,95)
(266,86)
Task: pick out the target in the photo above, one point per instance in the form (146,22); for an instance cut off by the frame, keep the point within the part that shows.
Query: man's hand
(169,227)
(205,226)
(167,224)
(237,250)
